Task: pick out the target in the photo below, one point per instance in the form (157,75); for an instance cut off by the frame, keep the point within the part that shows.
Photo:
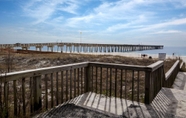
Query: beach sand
(183,58)
(138,55)
(135,55)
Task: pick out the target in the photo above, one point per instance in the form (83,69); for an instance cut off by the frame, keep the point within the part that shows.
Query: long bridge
(82,47)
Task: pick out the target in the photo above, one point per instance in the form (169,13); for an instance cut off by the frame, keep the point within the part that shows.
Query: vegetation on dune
(31,61)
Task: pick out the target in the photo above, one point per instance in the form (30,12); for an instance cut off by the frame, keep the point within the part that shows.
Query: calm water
(178,51)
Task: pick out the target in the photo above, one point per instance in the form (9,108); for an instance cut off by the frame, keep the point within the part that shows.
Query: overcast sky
(100,21)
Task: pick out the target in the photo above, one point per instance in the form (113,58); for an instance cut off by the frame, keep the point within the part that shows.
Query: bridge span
(82,47)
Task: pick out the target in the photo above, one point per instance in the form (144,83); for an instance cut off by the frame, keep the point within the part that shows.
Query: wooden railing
(126,81)
(171,75)
(153,80)
(27,92)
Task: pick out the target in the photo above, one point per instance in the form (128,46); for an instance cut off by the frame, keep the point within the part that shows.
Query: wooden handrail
(182,64)
(171,70)
(27,73)
(171,74)
(120,66)
(75,79)
(156,65)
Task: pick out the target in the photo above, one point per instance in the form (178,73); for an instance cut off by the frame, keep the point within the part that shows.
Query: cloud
(108,13)
(75,22)
(125,11)
(130,25)
(167,32)
(179,4)
(118,15)
(165,24)
(70,7)
(41,10)
(100,19)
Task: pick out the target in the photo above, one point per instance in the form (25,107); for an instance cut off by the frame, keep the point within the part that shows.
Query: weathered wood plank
(46,92)
(66,85)
(171,70)
(107,82)
(82,80)
(52,91)
(110,82)
(57,88)
(75,76)
(121,84)
(31,95)
(116,70)
(138,91)
(37,93)
(15,97)
(125,84)
(155,65)
(148,87)
(6,95)
(70,84)
(96,79)
(119,66)
(62,87)
(92,77)
(133,85)
(78,81)
(28,73)
(101,79)
(88,75)
(23,96)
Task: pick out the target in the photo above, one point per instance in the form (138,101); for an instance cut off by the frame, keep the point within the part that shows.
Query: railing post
(0,97)
(37,93)
(148,92)
(164,78)
(87,78)
(6,98)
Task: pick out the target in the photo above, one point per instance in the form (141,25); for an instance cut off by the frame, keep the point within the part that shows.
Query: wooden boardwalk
(169,103)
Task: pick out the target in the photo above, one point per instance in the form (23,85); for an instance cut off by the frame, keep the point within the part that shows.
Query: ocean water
(178,51)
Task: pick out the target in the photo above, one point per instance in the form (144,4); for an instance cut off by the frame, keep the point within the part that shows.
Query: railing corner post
(87,78)
(148,91)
